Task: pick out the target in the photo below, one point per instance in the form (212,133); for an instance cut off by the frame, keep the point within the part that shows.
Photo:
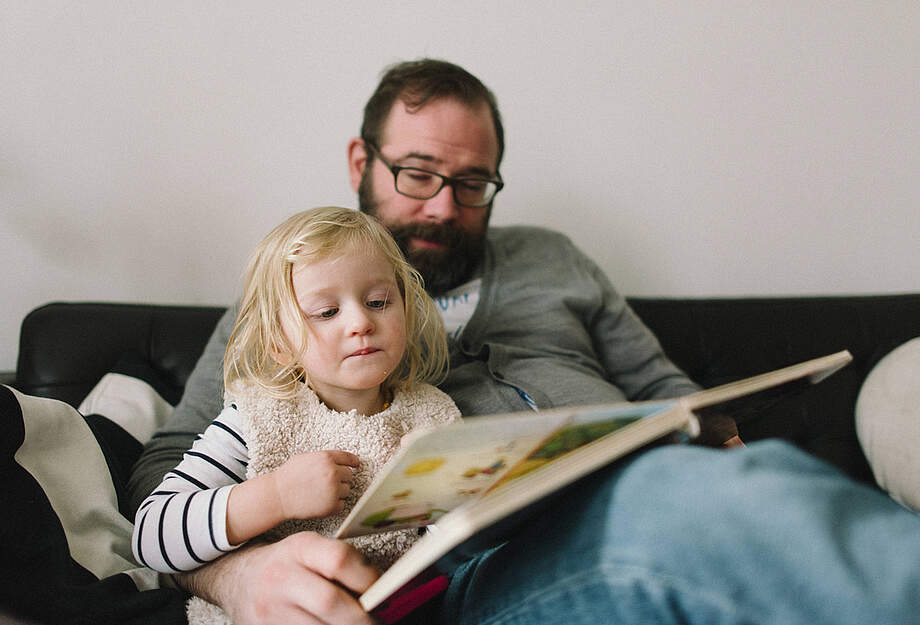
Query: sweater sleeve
(182,523)
(630,352)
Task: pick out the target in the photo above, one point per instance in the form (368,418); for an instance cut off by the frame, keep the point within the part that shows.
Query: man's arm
(201,402)
(636,362)
(629,351)
(304,578)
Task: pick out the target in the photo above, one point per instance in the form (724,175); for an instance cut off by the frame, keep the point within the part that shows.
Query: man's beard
(442,269)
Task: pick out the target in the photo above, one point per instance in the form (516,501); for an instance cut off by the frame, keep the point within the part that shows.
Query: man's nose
(442,207)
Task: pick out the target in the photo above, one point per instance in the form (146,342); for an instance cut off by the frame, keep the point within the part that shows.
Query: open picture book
(463,478)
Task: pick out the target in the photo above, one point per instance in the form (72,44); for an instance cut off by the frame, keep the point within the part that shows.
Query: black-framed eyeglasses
(422,184)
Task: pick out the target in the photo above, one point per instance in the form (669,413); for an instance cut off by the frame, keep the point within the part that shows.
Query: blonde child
(329,365)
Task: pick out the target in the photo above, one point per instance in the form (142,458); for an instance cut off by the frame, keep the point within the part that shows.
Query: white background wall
(693,147)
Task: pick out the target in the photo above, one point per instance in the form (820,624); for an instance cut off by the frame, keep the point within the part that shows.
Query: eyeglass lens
(420,184)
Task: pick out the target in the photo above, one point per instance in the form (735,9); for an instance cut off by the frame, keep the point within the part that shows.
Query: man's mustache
(436,233)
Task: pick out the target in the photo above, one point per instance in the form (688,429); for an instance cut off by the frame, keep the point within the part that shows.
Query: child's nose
(360,322)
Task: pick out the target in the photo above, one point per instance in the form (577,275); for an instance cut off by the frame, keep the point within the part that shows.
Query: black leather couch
(65,348)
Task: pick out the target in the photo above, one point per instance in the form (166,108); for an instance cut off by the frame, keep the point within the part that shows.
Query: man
(536,324)
(526,345)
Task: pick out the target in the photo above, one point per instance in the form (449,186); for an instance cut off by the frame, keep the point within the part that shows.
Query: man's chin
(441,270)
(426,260)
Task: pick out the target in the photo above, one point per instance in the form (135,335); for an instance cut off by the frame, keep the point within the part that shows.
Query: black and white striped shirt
(182,524)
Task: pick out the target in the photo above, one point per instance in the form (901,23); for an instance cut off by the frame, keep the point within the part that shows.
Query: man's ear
(357,160)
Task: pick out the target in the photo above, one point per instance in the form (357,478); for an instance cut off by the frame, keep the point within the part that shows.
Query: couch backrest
(65,348)
(720,340)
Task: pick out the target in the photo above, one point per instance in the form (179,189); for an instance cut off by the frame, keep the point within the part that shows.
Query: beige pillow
(888,422)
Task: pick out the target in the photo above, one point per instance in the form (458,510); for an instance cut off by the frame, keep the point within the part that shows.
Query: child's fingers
(344,474)
(343,457)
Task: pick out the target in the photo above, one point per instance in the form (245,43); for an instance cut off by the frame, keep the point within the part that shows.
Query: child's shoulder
(426,400)
(421,392)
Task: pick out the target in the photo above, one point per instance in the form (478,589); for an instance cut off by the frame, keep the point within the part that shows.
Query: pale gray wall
(692,147)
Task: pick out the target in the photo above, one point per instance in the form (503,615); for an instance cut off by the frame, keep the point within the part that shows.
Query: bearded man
(674,534)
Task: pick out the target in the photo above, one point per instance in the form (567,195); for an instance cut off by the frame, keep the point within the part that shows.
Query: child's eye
(377,303)
(327,313)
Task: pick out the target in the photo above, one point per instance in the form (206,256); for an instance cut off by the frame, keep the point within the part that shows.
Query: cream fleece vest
(276,429)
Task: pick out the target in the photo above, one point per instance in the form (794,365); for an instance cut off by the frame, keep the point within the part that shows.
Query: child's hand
(314,484)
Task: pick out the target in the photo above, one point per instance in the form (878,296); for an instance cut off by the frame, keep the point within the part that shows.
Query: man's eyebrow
(428,158)
(422,156)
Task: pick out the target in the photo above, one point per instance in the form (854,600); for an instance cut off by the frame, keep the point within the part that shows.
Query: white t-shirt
(457,306)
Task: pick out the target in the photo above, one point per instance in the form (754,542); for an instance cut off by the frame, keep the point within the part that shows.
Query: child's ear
(282,348)
(280,354)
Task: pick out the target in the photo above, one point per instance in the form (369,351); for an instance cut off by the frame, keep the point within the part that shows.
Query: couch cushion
(65,550)
(888,422)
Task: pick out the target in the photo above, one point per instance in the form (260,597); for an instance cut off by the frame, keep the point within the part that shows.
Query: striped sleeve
(182,523)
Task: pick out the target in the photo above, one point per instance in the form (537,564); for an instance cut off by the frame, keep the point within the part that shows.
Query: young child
(328,367)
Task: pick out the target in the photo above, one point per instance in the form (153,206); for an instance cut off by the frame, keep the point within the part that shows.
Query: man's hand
(717,430)
(303,579)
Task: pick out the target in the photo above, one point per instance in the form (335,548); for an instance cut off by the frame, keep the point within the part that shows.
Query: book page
(585,427)
(641,424)
(440,469)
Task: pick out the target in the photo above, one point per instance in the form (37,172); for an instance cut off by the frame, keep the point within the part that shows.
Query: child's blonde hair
(259,351)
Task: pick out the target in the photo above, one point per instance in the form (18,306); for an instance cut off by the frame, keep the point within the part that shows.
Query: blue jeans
(679,534)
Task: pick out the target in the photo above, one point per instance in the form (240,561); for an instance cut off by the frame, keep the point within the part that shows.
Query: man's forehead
(443,124)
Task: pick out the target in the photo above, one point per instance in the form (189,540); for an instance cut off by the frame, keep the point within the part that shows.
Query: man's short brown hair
(416,83)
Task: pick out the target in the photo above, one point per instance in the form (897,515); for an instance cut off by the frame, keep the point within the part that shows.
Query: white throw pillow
(130,402)
(888,422)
